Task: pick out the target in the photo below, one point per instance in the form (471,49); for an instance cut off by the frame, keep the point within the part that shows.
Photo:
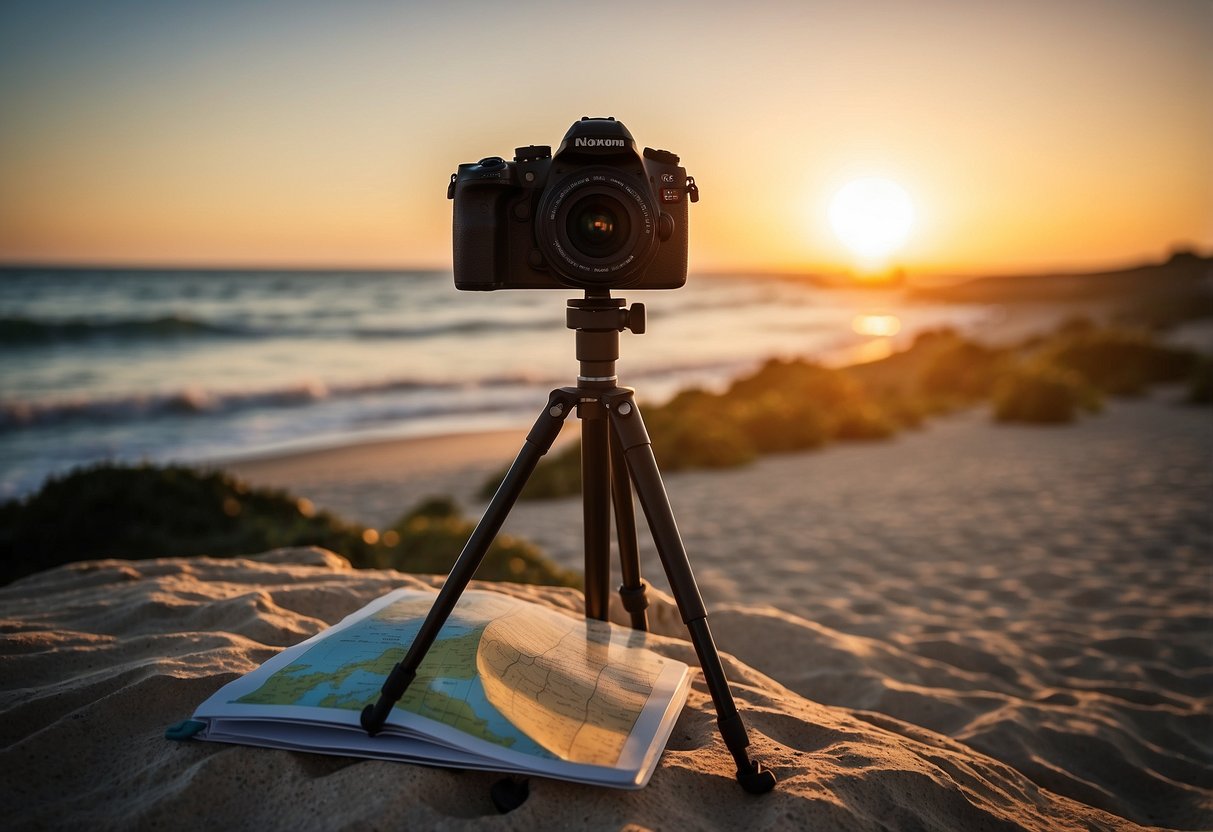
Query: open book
(508,686)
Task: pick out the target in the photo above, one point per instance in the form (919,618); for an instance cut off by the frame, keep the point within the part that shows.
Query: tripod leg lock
(547,427)
(634,597)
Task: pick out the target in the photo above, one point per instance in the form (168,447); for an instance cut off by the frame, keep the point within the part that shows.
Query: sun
(872,217)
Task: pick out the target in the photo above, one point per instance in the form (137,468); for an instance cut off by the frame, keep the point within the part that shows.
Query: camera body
(595,215)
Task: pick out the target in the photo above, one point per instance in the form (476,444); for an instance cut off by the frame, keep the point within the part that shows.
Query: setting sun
(872,217)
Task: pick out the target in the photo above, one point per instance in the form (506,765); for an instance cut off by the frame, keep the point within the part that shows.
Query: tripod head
(598,319)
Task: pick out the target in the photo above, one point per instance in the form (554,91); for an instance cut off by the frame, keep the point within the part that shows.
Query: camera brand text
(579,142)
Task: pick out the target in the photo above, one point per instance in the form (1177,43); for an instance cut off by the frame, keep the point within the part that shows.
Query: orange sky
(1028,134)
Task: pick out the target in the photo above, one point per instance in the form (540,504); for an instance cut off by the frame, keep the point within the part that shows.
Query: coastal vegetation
(796,404)
(145,511)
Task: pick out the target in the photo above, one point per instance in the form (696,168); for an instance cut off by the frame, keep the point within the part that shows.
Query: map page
(507,685)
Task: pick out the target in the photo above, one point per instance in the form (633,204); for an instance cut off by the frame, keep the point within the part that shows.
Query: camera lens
(598,226)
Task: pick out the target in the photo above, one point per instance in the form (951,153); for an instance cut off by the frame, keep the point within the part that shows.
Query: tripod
(614,445)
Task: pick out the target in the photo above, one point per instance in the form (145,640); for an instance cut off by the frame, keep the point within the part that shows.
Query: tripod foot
(369,723)
(757,780)
(508,794)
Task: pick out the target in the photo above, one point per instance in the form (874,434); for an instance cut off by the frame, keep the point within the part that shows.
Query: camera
(597,214)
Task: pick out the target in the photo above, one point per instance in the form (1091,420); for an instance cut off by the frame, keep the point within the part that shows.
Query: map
(514,674)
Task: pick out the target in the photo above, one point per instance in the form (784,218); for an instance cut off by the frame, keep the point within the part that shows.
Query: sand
(969,627)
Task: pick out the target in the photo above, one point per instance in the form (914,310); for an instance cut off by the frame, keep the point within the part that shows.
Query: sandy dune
(98,658)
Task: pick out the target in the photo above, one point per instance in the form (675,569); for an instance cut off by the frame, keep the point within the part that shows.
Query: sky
(1028,135)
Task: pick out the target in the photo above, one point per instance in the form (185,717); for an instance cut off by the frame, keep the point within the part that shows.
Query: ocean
(195,366)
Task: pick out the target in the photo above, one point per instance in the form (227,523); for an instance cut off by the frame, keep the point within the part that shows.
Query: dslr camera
(595,215)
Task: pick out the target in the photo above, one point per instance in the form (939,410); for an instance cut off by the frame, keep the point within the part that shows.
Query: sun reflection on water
(879,326)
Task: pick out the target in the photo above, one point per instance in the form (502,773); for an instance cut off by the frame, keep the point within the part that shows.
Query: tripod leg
(596,507)
(632,589)
(638,452)
(538,441)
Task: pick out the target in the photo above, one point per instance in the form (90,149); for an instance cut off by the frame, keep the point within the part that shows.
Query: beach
(968,626)
(964,625)
(1042,594)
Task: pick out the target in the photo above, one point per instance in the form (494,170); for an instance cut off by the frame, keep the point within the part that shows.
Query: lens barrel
(596,228)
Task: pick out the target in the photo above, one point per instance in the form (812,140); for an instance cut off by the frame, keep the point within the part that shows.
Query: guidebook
(508,686)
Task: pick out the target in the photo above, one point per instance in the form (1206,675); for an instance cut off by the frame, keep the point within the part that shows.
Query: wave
(189,401)
(470,327)
(199,402)
(128,408)
(320,322)
(19,331)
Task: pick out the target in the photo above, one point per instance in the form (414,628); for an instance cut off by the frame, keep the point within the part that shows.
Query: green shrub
(793,405)
(940,372)
(698,443)
(803,381)
(1043,394)
(960,370)
(697,429)
(429,538)
(694,401)
(773,422)
(1120,362)
(143,511)
(110,510)
(907,411)
(556,475)
(863,421)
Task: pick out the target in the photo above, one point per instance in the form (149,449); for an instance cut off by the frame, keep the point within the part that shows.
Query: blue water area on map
(368,640)
(351,693)
(472,692)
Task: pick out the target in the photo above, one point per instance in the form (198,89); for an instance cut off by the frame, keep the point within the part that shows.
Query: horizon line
(1121,264)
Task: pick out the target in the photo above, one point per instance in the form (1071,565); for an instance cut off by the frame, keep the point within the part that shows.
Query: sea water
(191,366)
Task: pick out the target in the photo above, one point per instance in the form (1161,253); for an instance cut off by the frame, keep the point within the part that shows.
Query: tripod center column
(597,353)
(597,322)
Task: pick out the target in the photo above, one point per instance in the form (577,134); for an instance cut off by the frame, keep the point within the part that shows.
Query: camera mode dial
(532,153)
